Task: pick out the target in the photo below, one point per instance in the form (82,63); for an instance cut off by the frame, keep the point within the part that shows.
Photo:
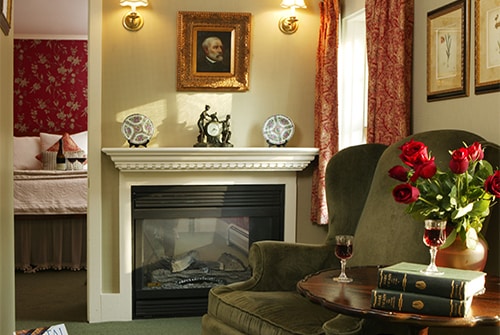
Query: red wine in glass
(343,251)
(434,237)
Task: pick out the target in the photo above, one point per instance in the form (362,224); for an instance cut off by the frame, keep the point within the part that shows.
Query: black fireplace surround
(189,238)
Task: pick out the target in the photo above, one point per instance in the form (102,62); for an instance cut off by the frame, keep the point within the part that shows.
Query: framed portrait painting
(487,46)
(213,51)
(448,51)
(6,17)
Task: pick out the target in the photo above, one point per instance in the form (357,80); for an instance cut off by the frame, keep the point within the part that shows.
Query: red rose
(475,151)
(399,172)
(425,170)
(405,193)
(459,161)
(413,153)
(492,184)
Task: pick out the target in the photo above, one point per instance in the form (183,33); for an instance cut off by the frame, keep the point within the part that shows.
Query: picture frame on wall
(6,17)
(448,51)
(213,51)
(487,46)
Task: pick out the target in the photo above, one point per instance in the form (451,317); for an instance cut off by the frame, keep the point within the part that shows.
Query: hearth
(189,238)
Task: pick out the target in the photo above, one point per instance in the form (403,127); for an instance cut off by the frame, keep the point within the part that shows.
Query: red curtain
(326,104)
(389,34)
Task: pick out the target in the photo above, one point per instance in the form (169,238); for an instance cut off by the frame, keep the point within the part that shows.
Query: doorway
(51,20)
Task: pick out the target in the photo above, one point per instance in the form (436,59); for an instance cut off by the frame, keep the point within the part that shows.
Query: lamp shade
(293,4)
(134,3)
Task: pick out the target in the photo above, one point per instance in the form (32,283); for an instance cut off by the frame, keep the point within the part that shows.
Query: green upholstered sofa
(360,203)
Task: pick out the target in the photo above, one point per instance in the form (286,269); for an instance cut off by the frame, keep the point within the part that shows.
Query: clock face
(214,128)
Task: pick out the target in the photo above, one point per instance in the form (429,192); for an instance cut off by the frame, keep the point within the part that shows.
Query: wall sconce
(133,21)
(289,25)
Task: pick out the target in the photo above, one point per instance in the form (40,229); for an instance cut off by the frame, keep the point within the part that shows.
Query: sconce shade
(134,3)
(293,4)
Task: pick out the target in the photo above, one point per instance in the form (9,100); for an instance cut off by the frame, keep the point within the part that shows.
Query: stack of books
(403,288)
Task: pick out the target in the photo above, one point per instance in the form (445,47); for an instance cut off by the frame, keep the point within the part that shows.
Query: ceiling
(45,18)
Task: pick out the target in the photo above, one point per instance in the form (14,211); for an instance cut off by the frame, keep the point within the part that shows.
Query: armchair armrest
(278,266)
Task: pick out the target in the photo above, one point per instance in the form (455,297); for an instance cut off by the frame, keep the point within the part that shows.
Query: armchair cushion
(265,312)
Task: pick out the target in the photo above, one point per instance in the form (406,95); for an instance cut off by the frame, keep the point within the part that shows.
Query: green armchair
(360,203)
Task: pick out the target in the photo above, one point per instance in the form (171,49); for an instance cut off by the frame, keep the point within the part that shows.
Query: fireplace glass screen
(188,239)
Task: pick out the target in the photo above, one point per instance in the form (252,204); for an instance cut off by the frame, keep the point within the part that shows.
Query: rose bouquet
(461,195)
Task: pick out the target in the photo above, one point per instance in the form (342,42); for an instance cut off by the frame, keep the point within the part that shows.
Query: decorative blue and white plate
(138,129)
(278,129)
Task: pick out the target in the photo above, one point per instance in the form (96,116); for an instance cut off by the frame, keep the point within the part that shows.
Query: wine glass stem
(342,268)
(433,252)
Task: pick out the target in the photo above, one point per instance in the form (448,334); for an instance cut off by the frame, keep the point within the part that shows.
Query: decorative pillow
(68,144)
(25,150)
(81,140)
(49,160)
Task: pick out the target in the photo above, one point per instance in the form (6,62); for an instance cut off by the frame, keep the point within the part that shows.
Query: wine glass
(343,251)
(434,237)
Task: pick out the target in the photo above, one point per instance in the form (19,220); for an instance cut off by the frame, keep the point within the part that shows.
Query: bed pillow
(47,140)
(49,161)
(81,140)
(50,142)
(25,150)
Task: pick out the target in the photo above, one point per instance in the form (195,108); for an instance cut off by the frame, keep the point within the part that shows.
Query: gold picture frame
(487,46)
(448,51)
(6,17)
(232,30)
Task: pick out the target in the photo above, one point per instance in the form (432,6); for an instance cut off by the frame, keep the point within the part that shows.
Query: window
(353,81)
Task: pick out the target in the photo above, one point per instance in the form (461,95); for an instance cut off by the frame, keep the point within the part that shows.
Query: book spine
(418,303)
(430,285)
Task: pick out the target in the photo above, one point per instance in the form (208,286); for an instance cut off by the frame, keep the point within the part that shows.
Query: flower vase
(459,257)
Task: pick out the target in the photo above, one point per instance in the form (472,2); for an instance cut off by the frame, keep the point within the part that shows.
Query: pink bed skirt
(51,242)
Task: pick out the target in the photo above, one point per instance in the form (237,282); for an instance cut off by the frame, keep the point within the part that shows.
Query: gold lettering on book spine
(420,284)
(417,304)
(400,302)
(405,280)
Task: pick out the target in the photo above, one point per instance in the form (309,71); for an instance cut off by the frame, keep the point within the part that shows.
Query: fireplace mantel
(195,166)
(208,159)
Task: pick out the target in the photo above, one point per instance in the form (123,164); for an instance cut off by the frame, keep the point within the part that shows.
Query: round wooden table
(354,299)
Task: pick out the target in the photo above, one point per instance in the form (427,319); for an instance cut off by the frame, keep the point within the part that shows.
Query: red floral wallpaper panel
(50,86)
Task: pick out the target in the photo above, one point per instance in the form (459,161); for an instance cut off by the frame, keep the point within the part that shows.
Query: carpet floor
(53,297)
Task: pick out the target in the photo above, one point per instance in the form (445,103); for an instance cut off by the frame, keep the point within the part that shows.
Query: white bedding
(41,192)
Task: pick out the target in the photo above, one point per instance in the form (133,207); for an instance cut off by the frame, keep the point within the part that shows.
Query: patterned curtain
(389,34)
(326,104)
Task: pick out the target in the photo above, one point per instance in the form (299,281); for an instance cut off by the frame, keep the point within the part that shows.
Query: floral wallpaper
(50,86)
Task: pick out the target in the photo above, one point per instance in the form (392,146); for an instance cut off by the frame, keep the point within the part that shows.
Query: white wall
(139,76)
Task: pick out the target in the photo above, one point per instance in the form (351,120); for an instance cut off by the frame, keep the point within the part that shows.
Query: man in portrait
(212,57)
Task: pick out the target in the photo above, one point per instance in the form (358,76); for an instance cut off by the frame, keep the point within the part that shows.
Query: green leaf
(449,239)
(471,239)
(460,212)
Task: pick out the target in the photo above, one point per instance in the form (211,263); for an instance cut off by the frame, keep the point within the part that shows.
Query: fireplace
(188,239)
(184,167)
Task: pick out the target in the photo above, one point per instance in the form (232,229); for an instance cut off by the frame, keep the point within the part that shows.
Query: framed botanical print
(448,51)
(487,46)
(213,51)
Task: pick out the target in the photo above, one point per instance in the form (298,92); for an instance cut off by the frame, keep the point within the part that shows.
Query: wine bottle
(60,159)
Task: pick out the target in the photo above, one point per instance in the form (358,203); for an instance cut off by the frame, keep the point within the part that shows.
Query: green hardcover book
(419,303)
(454,283)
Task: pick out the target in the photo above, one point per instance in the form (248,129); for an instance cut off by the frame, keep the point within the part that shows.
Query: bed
(50,213)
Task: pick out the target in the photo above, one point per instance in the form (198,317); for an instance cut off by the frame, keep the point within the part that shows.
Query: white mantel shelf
(211,159)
